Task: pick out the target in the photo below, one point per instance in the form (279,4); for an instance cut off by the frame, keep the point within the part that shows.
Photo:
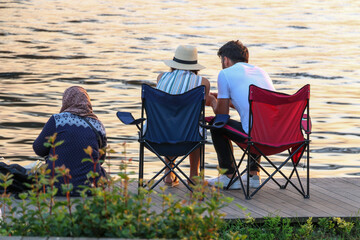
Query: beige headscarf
(77,101)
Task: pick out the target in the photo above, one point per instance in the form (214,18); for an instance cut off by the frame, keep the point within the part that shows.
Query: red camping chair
(277,123)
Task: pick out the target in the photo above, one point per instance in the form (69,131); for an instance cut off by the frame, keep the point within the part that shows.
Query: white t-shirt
(234,82)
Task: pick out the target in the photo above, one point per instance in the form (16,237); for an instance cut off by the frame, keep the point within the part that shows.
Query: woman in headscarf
(78,127)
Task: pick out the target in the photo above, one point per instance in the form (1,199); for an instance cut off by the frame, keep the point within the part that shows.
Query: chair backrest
(277,117)
(172,118)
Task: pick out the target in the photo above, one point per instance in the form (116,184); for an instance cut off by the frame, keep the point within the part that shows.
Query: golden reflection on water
(110,47)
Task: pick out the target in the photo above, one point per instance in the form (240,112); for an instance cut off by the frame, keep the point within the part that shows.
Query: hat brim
(182,66)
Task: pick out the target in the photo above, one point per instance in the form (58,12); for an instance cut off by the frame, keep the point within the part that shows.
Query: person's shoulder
(244,65)
(51,119)
(99,126)
(205,82)
(204,79)
(63,115)
(160,76)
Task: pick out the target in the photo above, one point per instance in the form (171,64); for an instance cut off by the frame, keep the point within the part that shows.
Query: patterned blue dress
(77,136)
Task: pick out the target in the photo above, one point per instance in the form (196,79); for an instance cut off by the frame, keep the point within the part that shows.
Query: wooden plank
(347,188)
(254,208)
(335,194)
(294,202)
(329,197)
(324,203)
(282,202)
(355,181)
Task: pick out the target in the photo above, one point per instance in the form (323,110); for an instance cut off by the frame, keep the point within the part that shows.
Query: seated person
(72,126)
(233,91)
(183,76)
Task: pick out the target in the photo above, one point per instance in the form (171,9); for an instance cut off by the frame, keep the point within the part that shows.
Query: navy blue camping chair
(172,128)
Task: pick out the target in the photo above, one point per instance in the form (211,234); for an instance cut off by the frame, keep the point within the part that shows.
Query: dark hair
(194,71)
(235,51)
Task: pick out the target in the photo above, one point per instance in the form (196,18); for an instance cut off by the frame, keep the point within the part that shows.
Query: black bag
(20,177)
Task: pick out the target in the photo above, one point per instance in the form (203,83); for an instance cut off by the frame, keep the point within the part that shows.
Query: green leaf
(9,182)
(23,196)
(86,160)
(241,207)
(59,143)
(47,144)
(111,151)
(88,150)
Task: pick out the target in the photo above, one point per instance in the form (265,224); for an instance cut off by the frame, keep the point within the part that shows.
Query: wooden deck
(329,197)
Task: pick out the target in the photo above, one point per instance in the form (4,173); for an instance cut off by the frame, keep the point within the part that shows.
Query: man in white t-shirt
(233,91)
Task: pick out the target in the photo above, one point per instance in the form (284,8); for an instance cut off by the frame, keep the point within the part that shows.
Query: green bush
(283,229)
(113,211)
(110,211)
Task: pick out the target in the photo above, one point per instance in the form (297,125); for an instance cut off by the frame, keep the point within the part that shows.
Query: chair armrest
(218,121)
(128,119)
(304,123)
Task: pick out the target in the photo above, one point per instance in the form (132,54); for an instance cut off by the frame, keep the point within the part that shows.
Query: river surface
(111,47)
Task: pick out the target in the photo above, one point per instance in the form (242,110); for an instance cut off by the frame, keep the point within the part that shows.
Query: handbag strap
(96,132)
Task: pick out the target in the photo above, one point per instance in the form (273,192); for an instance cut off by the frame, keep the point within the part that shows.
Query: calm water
(111,47)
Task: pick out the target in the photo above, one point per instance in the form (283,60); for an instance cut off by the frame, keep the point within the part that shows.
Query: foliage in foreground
(283,229)
(111,210)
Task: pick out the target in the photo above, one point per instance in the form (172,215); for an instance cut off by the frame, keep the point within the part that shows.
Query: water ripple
(305,75)
(31,56)
(338,133)
(298,27)
(56,31)
(21,125)
(351,150)
(341,103)
(13,74)
(81,21)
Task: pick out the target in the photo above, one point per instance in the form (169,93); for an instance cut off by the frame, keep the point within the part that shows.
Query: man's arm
(215,95)
(206,83)
(219,106)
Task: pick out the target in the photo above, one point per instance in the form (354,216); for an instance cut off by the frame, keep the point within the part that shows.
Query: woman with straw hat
(183,77)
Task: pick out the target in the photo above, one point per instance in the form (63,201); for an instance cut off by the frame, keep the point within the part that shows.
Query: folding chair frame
(144,143)
(305,145)
(250,146)
(173,166)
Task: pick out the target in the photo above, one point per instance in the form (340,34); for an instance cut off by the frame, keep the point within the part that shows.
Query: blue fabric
(77,135)
(168,149)
(127,118)
(172,118)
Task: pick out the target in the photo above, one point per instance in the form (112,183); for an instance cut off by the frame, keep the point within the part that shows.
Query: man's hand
(213,94)
(211,101)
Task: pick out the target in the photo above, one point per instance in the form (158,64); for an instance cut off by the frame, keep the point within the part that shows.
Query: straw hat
(185,58)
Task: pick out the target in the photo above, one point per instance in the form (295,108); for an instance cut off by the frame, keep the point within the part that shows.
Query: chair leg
(278,170)
(171,165)
(202,161)
(308,169)
(141,166)
(248,173)
(233,178)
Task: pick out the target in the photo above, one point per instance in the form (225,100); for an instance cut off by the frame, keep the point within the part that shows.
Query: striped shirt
(178,81)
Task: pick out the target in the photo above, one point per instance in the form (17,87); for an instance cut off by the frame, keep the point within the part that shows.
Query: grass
(286,229)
